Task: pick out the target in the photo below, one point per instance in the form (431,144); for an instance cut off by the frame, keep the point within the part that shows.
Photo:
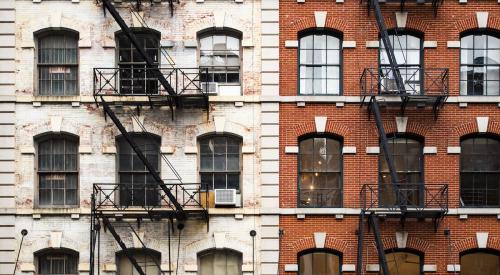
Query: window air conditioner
(225,197)
(211,88)
(389,86)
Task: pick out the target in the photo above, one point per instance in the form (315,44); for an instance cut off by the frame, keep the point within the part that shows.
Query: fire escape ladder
(372,220)
(180,214)
(126,30)
(126,251)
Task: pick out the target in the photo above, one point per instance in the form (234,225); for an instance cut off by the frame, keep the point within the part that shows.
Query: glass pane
(403,263)
(480,41)
(332,42)
(306,42)
(320,57)
(467,42)
(333,57)
(319,41)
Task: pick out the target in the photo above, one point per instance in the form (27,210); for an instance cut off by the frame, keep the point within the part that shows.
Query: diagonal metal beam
(372,219)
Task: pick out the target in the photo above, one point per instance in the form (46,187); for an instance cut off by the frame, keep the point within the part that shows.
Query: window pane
(322,263)
(223,262)
(480,263)
(306,42)
(403,263)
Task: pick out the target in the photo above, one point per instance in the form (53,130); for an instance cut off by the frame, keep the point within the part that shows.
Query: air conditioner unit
(389,86)
(225,197)
(211,88)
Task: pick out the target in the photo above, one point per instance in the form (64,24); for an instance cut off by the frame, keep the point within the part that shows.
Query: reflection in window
(408,51)
(58,63)
(147,260)
(320,64)
(134,79)
(220,262)
(319,263)
(408,160)
(320,172)
(480,65)
(57,263)
(58,171)
(221,55)
(480,172)
(404,263)
(481,262)
(220,162)
(137,185)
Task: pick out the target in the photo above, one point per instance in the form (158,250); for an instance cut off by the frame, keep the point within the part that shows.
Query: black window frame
(420,255)
(340,189)
(212,70)
(42,172)
(340,65)
(473,33)
(57,253)
(471,171)
(67,35)
(420,185)
(479,250)
(420,66)
(335,253)
(213,171)
(150,188)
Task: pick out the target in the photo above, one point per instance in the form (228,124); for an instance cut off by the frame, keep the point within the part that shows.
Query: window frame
(341,172)
(38,36)
(404,31)
(56,252)
(462,139)
(226,251)
(320,250)
(240,165)
(153,254)
(50,136)
(228,32)
(329,32)
(481,31)
(420,255)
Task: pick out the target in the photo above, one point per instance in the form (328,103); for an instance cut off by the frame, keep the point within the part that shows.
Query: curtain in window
(320,172)
(221,55)
(220,162)
(58,64)
(57,263)
(220,262)
(320,64)
(147,261)
(319,263)
(58,171)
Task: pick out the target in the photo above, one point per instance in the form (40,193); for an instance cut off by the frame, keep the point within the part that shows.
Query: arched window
(480,172)
(404,262)
(57,262)
(148,260)
(57,63)
(481,261)
(220,166)
(220,262)
(408,161)
(220,53)
(320,262)
(320,172)
(409,56)
(137,185)
(320,64)
(134,77)
(480,64)
(57,170)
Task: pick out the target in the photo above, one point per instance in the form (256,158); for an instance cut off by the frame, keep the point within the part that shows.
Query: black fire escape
(117,90)
(424,88)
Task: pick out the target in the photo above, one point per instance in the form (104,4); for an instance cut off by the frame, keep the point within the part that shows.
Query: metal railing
(140,80)
(417,197)
(120,196)
(417,81)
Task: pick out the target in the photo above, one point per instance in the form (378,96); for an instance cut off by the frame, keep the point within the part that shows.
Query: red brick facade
(351,123)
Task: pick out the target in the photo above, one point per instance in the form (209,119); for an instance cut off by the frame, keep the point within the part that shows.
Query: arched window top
(40,34)
(320,261)
(220,262)
(149,260)
(480,261)
(146,141)
(220,31)
(408,262)
(57,262)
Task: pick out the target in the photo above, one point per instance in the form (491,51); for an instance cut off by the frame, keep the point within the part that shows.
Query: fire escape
(124,92)
(388,87)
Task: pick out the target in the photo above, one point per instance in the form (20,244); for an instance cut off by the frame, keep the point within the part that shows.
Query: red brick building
(442,215)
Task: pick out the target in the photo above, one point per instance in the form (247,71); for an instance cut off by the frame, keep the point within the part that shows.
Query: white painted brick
(270,154)
(291,44)
(270,28)
(270,16)
(270,78)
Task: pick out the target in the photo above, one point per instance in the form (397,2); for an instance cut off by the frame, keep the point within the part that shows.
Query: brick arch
(469,128)
(465,244)
(412,23)
(337,129)
(309,22)
(412,243)
(412,128)
(470,23)
(494,243)
(308,243)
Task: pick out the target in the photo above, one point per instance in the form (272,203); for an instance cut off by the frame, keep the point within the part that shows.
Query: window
(220,53)
(134,77)
(403,262)
(484,262)
(480,172)
(320,172)
(320,59)
(480,64)
(408,52)
(220,262)
(319,263)
(57,63)
(58,171)
(137,185)
(148,260)
(57,263)
(220,162)
(408,160)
